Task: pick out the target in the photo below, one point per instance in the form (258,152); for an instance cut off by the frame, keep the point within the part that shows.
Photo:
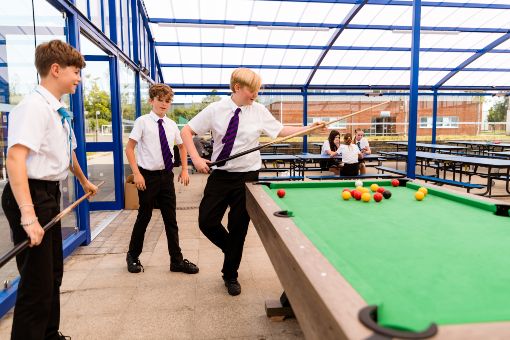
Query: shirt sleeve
(325,148)
(202,122)
(178,139)
(27,126)
(73,140)
(269,125)
(364,143)
(136,133)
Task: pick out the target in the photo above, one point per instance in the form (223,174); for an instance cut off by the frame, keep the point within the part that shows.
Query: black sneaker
(233,286)
(63,337)
(133,265)
(184,266)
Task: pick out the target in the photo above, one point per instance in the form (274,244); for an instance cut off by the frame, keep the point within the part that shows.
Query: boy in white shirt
(236,124)
(40,152)
(363,146)
(154,135)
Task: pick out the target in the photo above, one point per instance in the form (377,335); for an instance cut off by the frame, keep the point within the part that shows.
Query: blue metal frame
(320,47)
(323,25)
(434,117)
(413,98)
(305,117)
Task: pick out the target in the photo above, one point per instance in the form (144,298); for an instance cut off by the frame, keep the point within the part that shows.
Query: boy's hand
(139,182)
(201,165)
(183,177)
(35,233)
(89,187)
(324,128)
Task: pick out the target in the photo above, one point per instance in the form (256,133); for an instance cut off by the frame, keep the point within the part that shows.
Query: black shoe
(133,265)
(184,266)
(63,337)
(233,286)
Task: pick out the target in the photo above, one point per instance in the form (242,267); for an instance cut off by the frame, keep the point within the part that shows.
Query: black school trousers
(37,309)
(159,186)
(226,189)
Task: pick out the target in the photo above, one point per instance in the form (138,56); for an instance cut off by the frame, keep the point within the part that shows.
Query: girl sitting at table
(351,155)
(330,148)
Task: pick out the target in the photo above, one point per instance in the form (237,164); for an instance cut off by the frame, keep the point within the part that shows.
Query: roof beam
(313,67)
(348,18)
(302,25)
(405,3)
(320,47)
(471,59)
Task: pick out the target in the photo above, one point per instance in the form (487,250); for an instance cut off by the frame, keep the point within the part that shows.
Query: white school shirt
(362,143)
(326,147)
(349,153)
(148,148)
(254,120)
(36,124)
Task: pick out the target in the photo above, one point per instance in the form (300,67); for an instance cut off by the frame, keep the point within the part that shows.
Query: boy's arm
(130,155)
(187,138)
(78,173)
(184,176)
(18,179)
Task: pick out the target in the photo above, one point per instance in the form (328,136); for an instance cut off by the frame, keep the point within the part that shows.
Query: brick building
(455,117)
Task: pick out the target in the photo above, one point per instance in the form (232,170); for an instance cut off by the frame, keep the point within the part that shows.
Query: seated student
(363,146)
(350,157)
(330,148)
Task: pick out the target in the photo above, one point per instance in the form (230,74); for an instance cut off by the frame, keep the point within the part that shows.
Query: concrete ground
(101,300)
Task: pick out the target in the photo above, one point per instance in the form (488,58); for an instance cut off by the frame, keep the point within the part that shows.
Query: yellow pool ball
(424,190)
(419,195)
(346,195)
(374,187)
(359,188)
(365,197)
(365,190)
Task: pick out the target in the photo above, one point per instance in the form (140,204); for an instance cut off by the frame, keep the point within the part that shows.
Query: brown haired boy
(154,135)
(40,152)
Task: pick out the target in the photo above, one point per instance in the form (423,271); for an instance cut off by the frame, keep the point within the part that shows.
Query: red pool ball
(380,190)
(352,192)
(395,182)
(378,197)
(357,195)
(280,193)
(346,189)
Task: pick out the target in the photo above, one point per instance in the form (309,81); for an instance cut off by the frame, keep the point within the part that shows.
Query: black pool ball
(386,194)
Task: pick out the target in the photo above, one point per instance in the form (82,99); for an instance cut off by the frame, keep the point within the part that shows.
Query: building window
(446,122)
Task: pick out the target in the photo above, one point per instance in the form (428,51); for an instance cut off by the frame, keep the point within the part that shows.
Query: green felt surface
(445,259)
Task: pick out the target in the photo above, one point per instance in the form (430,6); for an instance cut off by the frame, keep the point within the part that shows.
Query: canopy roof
(321,44)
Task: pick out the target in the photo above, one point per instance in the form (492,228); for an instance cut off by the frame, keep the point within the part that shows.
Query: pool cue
(297,134)
(21,246)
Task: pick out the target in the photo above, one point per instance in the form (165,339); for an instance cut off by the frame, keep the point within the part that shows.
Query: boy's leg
(36,313)
(146,201)
(212,208)
(238,221)
(167,205)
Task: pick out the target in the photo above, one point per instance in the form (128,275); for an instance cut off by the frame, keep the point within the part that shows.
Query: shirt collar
(155,117)
(234,106)
(50,98)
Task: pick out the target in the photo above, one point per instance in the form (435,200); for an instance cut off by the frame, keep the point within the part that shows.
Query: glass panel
(100,168)
(128,107)
(144,97)
(82,6)
(126,24)
(97,102)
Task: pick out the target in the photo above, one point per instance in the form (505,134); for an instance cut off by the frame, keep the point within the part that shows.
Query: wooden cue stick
(297,134)
(21,246)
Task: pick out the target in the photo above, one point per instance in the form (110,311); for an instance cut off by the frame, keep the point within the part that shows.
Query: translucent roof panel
(215,76)
(469,78)
(287,11)
(373,77)
(374,49)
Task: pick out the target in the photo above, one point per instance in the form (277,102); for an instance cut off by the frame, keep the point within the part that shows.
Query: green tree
(192,110)
(497,113)
(97,100)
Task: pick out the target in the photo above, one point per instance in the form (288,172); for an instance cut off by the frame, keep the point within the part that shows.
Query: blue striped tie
(165,149)
(66,117)
(230,137)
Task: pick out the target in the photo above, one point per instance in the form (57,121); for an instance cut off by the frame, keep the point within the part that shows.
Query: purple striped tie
(165,149)
(230,137)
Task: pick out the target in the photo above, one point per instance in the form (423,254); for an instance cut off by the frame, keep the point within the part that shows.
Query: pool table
(399,268)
